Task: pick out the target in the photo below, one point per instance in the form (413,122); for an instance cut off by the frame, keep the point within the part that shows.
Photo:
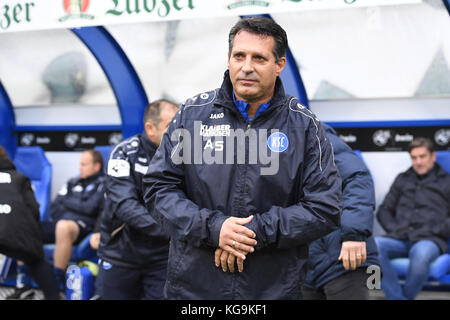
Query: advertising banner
(22,15)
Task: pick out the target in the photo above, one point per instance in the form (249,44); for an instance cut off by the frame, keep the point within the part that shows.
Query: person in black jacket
(337,262)
(23,239)
(133,247)
(416,217)
(243,173)
(74,211)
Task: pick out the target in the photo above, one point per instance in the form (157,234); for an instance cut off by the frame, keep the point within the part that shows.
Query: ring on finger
(233,244)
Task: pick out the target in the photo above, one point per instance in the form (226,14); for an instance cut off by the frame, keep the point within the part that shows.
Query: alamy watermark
(220,144)
(374,280)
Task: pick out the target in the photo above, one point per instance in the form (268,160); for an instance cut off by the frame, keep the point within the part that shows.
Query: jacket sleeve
(57,206)
(318,211)
(386,211)
(166,200)
(122,195)
(90,204)
(358,206)
(358,200)
(443,229)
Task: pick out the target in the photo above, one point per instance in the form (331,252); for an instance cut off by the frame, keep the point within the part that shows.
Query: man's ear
(280,65)
(98,166)
(149,129)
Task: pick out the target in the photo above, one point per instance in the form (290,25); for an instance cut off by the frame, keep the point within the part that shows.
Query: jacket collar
(436,171)
(149,146)
(90,179)
(6,164)
(225,95)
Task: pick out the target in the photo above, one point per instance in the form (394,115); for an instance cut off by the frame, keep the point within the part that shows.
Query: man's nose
(247,66)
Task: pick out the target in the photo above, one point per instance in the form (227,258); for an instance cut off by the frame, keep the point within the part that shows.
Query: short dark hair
(3,154)
(153,111)
(421,142)
(261,26)
(96,157)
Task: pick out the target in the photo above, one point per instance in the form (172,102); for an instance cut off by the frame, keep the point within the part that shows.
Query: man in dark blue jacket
(133,248)
(337,262)
(75,210)
(244,173)
(416,217)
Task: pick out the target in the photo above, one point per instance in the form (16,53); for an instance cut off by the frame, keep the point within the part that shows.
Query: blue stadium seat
(105,151)
(32,162)
(443,158)
(440,268)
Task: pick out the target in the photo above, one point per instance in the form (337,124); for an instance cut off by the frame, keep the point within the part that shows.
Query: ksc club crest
(76,9)
(278,142)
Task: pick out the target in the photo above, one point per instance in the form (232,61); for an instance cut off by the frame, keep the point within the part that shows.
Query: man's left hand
(353,253)
(226,260)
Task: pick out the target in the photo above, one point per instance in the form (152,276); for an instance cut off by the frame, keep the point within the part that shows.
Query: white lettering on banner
(20,15)
(348,138)
(43,140)
(404,138)
(88,140)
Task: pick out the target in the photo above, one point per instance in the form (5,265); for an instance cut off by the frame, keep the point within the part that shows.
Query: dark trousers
(349,286)
(42,273)
(121,283)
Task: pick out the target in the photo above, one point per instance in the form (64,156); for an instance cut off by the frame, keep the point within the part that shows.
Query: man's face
(87,165)
(155,133)
(252,66)
(422,160)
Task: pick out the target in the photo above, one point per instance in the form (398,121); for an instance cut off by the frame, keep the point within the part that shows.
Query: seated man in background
(338,261)
(75,210)
(416,217)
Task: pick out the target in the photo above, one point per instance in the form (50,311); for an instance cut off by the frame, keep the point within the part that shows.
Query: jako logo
(5,209)
(278,142)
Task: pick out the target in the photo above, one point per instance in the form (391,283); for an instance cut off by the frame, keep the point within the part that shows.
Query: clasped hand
(235,242)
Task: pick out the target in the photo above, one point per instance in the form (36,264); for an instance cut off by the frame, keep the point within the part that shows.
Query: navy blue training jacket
(80,200)
(357,218)
(192,198)
(130,237)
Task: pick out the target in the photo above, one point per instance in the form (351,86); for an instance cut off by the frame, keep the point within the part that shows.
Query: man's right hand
(226,260)
(235,238)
